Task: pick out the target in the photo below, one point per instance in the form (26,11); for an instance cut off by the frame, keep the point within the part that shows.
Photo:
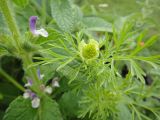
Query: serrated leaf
(21,109)
(77,17)
(62,13)
(49,110)
(69,104)
(97,24)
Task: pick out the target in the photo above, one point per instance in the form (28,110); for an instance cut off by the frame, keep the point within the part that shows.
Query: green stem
(26,57)
(27,60)
(10,22)
(10,79)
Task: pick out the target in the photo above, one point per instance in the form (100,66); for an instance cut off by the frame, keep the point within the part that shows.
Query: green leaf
(21,3)
(54,36)
(48,71)
(65,63)
(77,17)
(62,13)
(97,24)
(71,73)
(137,70)
(148,43)
(69,104)
(21,109)
(124,113)
(7,94)
(49,110)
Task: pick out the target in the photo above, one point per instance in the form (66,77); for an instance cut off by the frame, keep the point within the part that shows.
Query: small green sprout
(89,51)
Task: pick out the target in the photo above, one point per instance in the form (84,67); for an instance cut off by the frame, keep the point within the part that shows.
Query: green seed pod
(89,51)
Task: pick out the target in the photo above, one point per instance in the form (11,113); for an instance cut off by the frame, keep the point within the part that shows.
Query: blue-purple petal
(32,23)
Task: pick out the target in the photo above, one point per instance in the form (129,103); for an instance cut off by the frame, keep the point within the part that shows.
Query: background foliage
(121,84)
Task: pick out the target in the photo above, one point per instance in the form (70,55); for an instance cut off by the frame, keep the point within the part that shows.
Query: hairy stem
(26,57)
(27,61)
(9,19)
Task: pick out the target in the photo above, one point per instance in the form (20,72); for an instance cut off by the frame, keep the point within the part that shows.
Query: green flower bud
(90,50)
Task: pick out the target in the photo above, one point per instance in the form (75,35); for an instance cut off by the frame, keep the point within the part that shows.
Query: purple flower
(32,25)
(32,22)
(26,94)
(48,90)
(33,95)
(29,83)
(35,100)
(40,76)
(29,94)
(55,82)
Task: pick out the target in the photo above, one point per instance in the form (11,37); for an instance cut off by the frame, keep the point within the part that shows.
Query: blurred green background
(148,13)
